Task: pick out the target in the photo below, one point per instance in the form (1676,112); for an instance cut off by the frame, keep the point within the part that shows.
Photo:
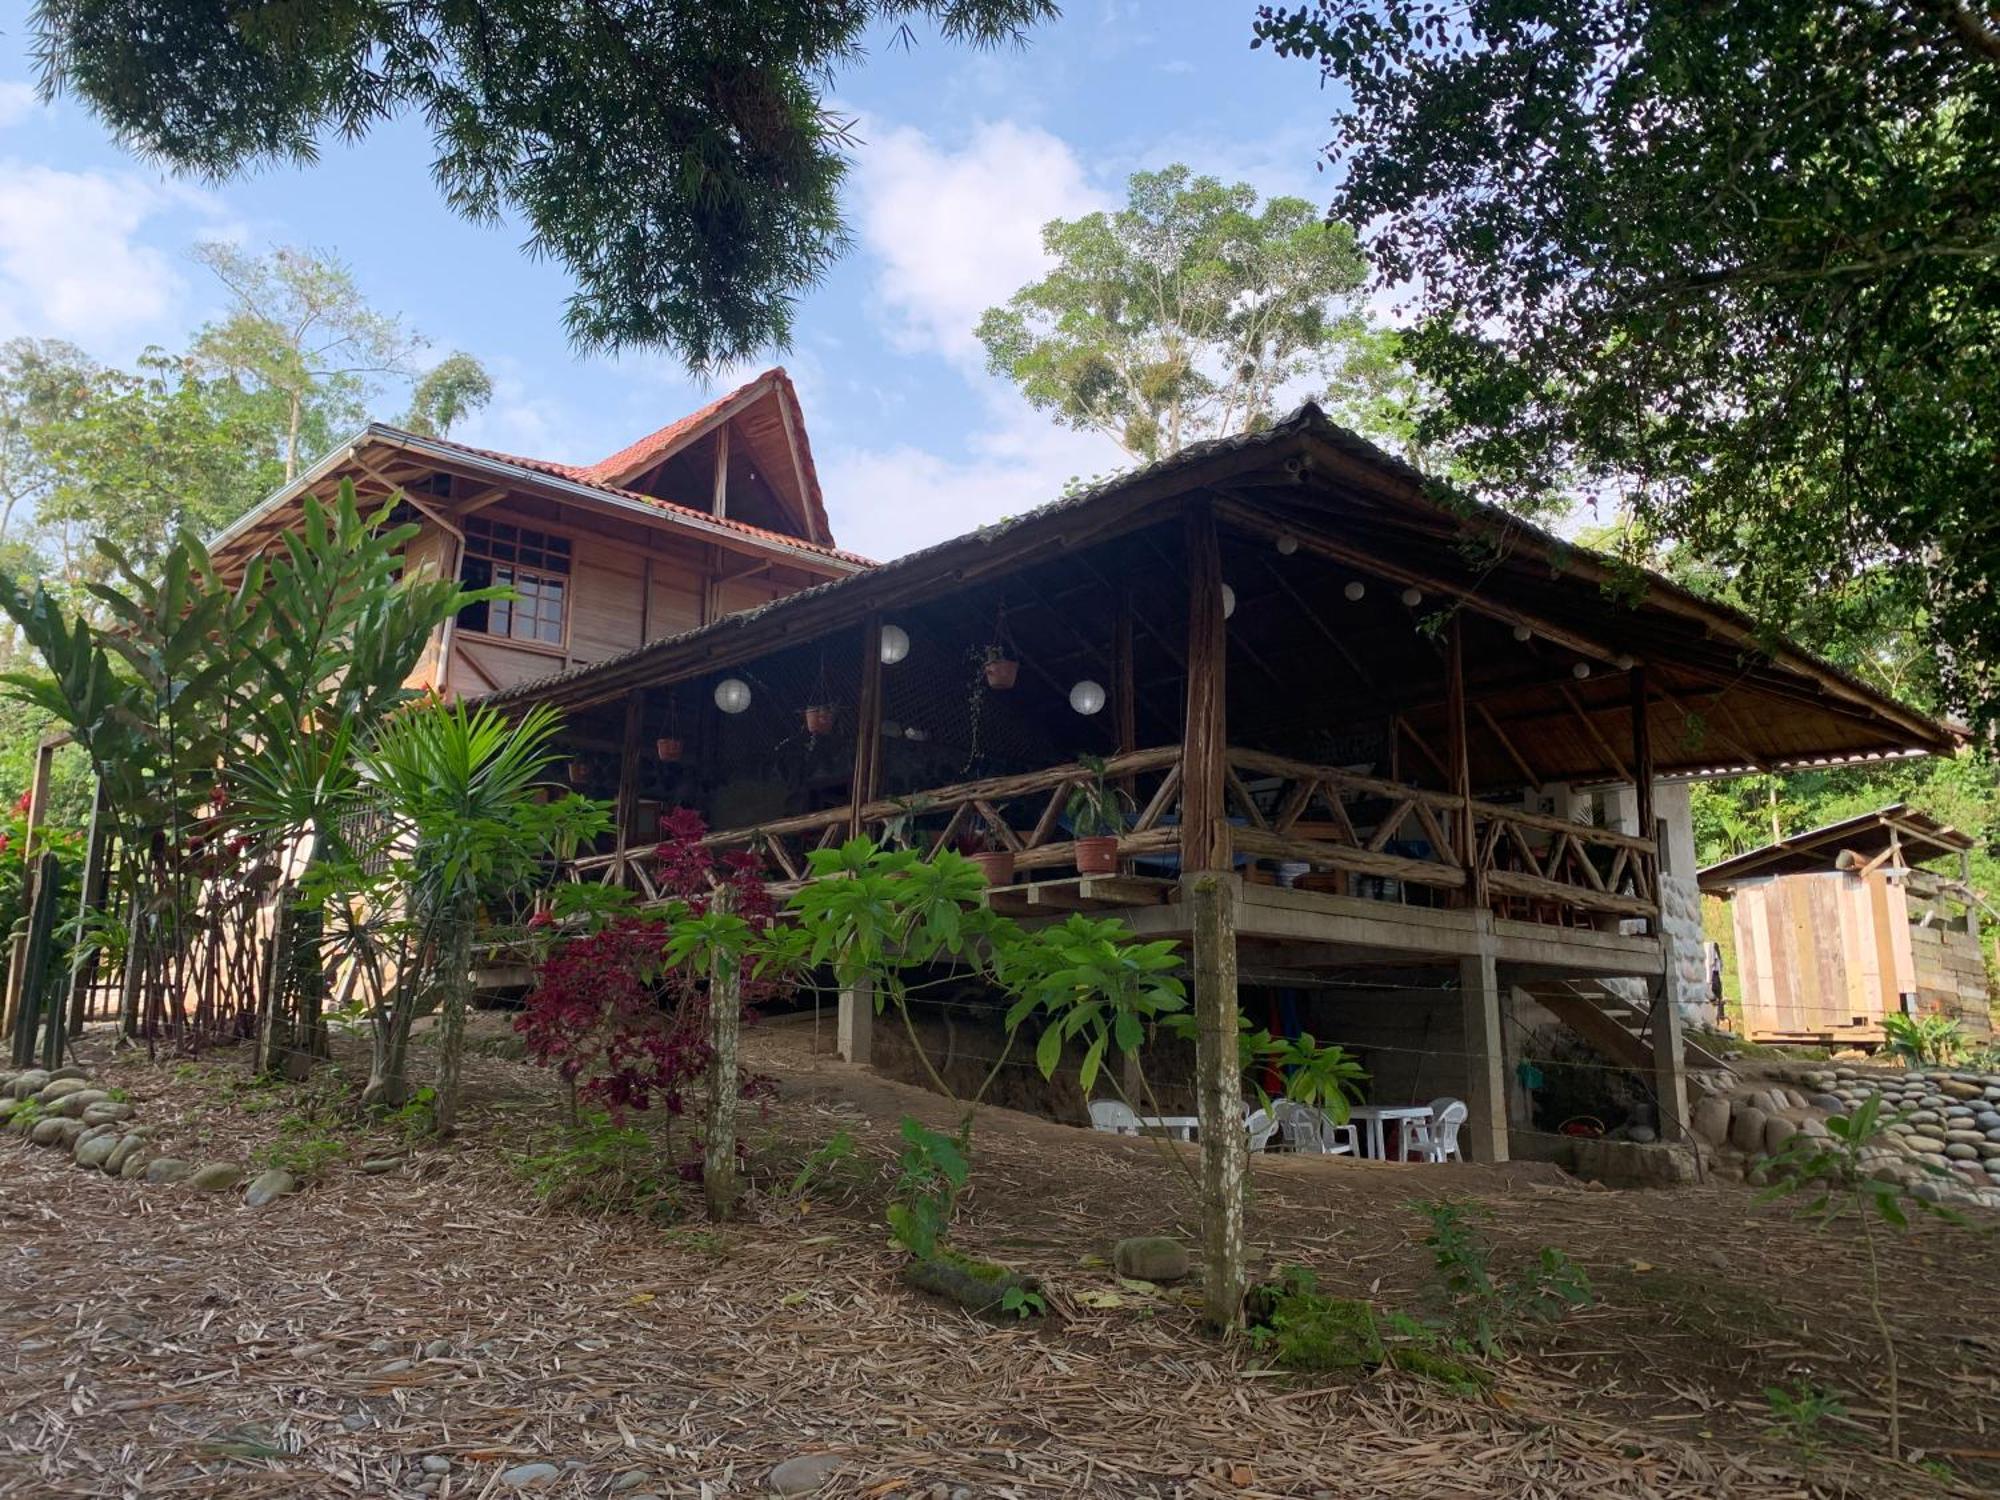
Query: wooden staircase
(1610,1023)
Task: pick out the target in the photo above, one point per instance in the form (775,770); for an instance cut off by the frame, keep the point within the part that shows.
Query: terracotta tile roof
(635,458)
(586,477)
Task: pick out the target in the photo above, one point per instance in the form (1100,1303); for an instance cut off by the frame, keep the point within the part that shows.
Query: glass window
(533,564)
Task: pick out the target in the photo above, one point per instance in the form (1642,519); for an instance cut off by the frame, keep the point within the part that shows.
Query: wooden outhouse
(1838,926)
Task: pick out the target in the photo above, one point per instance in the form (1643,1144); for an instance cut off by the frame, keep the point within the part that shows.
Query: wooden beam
(867,727)
(1597,738)
(1493,727)
(1204,834)
(1461,755)
(628,768)
(719,506)
(806,514)
(1642,751)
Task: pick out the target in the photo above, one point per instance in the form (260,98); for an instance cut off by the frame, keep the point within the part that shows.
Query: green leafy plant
(1924,1041)
(1799,1415)
(600,1166)
(1835,1170)
(826,1159)
(1479,1309)
(416,1117)
(1301,1328)
(933,1171)
(307,1145)
(1097,808)
(1023,1302)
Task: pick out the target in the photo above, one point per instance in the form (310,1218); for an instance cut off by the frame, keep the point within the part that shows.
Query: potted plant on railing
(819,719)
(995,860)
(1001,670)
(1097,812)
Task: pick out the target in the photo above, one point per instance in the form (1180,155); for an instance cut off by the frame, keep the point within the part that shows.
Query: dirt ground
(159,1341)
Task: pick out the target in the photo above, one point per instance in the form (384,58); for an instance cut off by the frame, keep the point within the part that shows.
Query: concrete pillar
(854,1032)
(1680,904)
(1485,1058)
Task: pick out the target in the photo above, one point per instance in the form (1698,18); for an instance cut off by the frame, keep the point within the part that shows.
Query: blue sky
(962,157)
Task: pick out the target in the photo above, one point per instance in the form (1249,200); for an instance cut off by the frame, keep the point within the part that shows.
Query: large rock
(73,1104)
(107,1111)
(266,1187)
(530,1476)
(27,1085)
(1710,1119)
(804,1474)
(1150,1257)
(165,1169)
(1629,1164)
(1777,1131)
(216,1177)
(136,1164)
(56,1132)
(1960,1152)
(61,1088)
(1746,1128)
(1957,1088)
(127,1148)
(96,1151)
(1928,1145)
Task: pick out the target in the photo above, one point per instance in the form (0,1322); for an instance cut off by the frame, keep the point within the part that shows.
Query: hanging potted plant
(667,747)
(1002,671)
(1001,666)
(996,862)
(819,719)
(1096,811)
(579,772)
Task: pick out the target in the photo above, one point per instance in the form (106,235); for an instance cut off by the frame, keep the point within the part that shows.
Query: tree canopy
(1190,313)
(678,158)
(1738,265)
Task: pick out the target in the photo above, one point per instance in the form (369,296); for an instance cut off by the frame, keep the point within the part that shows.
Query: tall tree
(1191,313)
(302,331)
(446,394)
(1738,262)
(676,155)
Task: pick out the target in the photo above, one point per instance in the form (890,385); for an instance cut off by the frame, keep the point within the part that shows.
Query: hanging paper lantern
(732,695)
(1413,597)
(895,644)
(1356,590)
(1228,601)
(1580,671)
(1287,545)
(1522,633)
(1086,697)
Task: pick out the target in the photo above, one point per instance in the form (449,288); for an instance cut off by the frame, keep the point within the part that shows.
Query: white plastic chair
(1308,1131)
(1261,1127)
(1436,1139)
(1114,1116)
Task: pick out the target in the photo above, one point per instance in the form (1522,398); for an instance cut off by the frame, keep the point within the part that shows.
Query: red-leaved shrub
(619,1024)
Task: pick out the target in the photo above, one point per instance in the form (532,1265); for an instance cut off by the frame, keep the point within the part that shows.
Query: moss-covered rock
(981,1287)
(1150,1257)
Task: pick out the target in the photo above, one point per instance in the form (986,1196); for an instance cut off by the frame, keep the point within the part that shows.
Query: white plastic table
(1373,1115)
(1178,1127)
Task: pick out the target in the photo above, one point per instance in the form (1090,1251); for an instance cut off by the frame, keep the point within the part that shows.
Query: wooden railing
(1374,838)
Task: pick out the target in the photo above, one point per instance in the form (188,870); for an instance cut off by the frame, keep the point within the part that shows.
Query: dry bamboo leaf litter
(167,1343)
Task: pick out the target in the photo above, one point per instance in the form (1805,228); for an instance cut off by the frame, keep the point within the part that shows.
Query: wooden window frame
(481,526)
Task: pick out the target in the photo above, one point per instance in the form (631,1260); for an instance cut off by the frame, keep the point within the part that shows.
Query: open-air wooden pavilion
(1364,709)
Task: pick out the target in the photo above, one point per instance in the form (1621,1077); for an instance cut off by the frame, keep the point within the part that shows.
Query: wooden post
(1485,1056)
(725,1016)
(628,777)
(1124,694)
(1205,734)
(1669,1051)
(17,953)
(1461,761)
(867,779)
(1211,899)
(854,1028)
(31,969)
(92,887)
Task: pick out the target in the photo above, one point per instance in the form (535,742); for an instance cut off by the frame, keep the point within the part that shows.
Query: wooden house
(1365,711)
(717,512)
(1841,925)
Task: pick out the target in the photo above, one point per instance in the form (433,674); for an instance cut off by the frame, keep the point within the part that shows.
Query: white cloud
(17,101)
(891,500)
(956,231)
(73,262)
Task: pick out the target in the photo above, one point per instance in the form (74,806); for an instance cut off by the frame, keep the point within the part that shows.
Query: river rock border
(61,1109)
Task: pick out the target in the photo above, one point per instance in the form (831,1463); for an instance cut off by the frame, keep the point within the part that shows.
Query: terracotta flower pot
(996,865)
(1097,856)
(666,747)
(1002,673)
(819,719)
